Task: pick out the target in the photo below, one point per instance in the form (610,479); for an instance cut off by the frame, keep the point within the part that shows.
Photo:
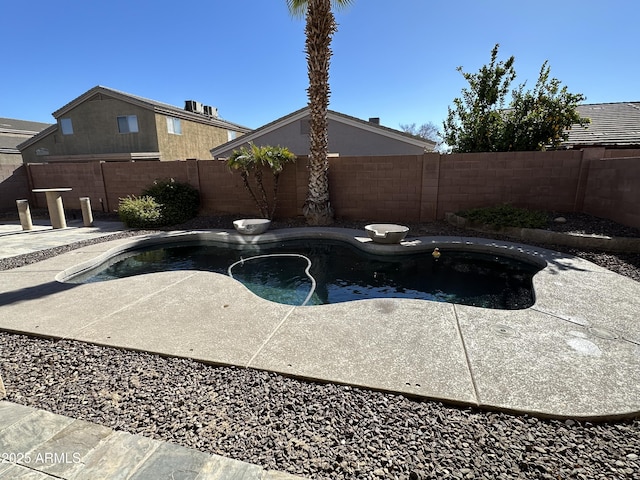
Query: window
(173,126)
(128,124)
(66,126)
(231,135)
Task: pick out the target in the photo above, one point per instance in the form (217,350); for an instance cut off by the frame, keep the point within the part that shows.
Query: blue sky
(392,59)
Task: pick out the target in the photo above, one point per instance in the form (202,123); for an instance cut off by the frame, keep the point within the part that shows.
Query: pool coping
(574,354)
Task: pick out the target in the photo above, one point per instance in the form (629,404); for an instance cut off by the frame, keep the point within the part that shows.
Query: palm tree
(320,26)
(252,159)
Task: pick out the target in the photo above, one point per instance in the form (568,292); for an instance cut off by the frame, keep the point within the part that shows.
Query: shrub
(178,202)
(139,212)
(506,216)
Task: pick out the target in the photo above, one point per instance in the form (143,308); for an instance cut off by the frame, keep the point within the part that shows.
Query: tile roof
(21,126)
(612,124)
(14,131)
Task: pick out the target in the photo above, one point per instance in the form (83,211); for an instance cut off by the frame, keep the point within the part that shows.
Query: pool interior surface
(341,272)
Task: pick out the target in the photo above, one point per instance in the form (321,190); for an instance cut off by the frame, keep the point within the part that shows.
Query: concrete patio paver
(39,445)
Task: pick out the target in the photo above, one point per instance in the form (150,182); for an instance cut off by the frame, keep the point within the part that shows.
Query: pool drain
(505,331)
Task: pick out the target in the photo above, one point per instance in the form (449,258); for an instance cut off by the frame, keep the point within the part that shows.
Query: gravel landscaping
(320,431)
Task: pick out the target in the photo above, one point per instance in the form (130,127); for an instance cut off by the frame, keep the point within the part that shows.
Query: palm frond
(298,8)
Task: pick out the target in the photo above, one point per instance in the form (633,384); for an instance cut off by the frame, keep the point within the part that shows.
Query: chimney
(374,120)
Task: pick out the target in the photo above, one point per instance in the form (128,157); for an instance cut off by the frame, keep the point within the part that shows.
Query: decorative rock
(321,431)
(560,220)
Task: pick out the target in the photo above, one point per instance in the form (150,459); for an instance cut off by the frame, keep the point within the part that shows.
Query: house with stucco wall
(348,136)
(104,124)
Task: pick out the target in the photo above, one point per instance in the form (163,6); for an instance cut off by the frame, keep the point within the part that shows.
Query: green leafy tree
(251,161)
(320,27)
(540,118)
(481,121)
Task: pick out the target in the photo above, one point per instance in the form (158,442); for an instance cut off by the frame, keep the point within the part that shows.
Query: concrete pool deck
(575,353)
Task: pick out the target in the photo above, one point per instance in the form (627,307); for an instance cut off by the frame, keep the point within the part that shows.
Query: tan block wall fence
(383,189)
(14,185)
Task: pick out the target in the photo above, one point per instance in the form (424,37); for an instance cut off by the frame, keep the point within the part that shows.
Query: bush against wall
(139,212)
(164,203)
(178,202)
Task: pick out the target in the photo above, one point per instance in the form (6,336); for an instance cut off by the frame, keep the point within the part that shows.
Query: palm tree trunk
(276,180)
(244,174)
(320,26)
(264,203)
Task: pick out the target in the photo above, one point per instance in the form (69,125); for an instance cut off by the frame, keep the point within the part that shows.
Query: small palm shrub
(506,216)
(250,161)
(139,212)
(178,202)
